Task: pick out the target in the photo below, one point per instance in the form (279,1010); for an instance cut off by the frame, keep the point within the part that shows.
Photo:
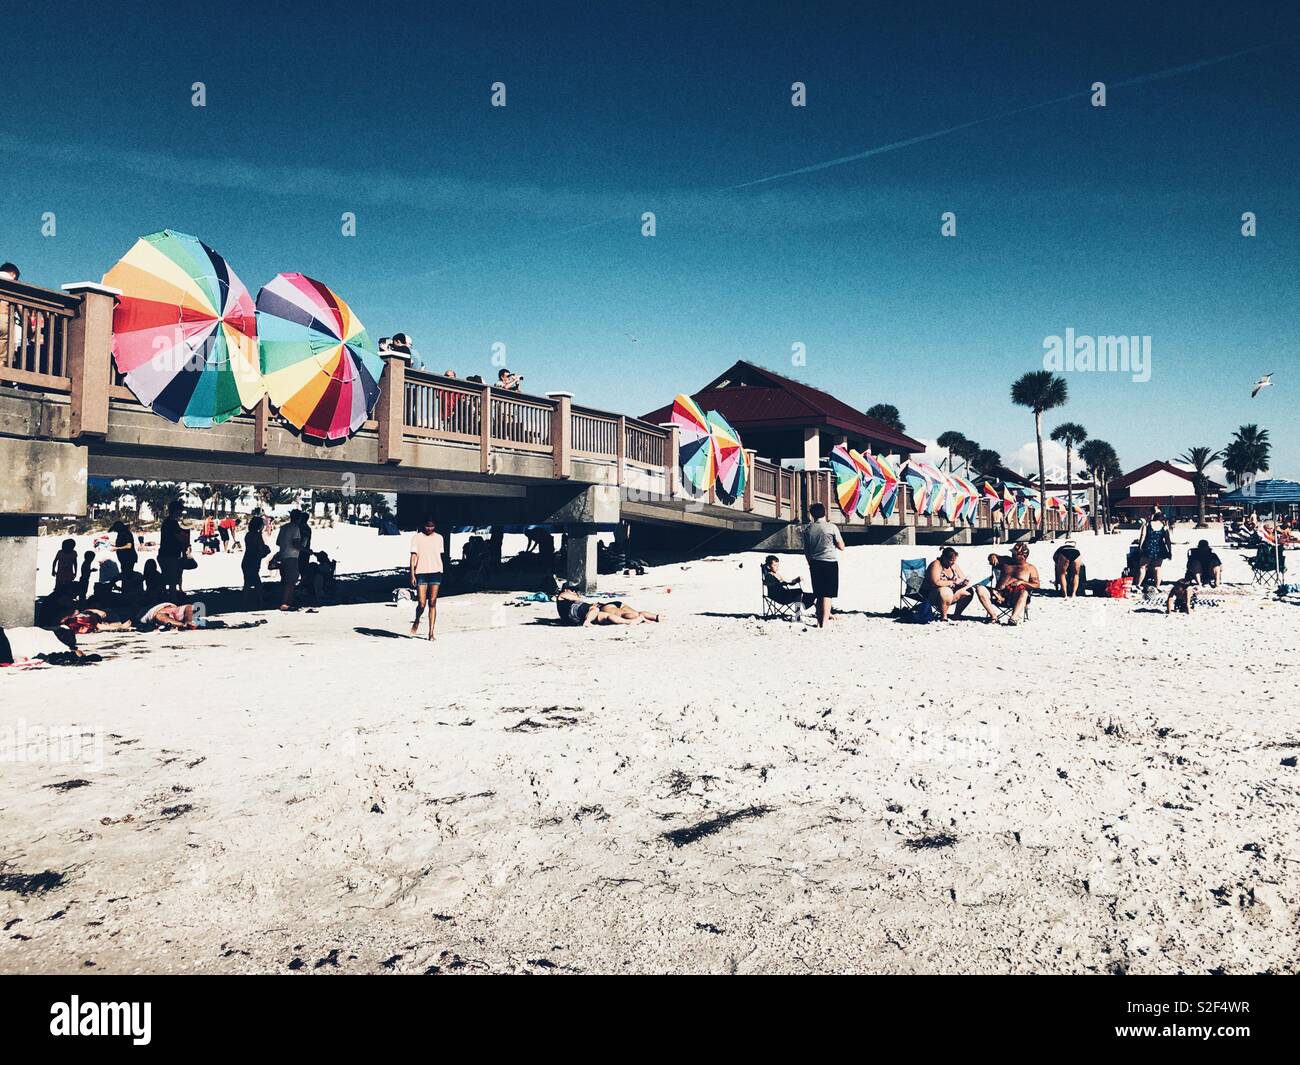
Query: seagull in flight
(631,338)
(1263,383)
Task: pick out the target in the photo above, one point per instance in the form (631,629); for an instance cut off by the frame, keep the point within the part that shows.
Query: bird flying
(1262,383)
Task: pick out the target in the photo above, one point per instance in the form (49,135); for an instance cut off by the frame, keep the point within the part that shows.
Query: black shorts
(289,570)
(825,578)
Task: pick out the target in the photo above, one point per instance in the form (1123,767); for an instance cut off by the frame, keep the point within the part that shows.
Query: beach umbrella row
(195,348)
(710,450)
(865,484)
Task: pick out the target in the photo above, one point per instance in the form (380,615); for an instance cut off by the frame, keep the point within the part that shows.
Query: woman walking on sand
(426,573)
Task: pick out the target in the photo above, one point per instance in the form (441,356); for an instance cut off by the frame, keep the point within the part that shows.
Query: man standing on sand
(426,572)
(821,544)
(289,541)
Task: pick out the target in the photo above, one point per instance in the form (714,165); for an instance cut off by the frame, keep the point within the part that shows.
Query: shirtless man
(1016,579)
(946,587)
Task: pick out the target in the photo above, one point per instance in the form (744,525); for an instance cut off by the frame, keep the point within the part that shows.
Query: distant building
(1161,484)
(786,420)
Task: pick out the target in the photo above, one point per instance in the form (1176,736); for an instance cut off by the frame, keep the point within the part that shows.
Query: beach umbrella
(322,369)
(969,497)
(849,487)
(872,485)
(697,452)
(184,330)
(889,475)
(1008,502)
(729,456)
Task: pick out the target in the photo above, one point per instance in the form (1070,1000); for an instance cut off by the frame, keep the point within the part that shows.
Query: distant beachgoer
(427,548)
(946,586)
(573,609)
(474,379)
(64,569)
(255,550)
(153,582)
(1154,546)
(822,543)
(123,546)
(173,544)
(1015,581)
(1204,566)
(448,373)
(1069,568)
(10,323)
(511,382)
(304,530)
(289,541)
(780,590)
(87,568)
(226,530)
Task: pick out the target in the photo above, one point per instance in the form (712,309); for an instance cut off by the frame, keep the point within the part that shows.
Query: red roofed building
(782,419)
(1161,484)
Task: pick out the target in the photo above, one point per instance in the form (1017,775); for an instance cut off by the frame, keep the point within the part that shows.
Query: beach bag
(921,614)
(1118,588)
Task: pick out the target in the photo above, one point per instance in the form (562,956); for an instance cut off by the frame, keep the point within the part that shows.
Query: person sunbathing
(167,616)
(780,590)
(1012,586)
(575,610)
(946,587)
(1069,568)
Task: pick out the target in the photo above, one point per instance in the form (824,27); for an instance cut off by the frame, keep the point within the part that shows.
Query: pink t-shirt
(427,550)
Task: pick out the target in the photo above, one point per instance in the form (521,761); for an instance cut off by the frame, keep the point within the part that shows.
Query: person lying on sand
(1204,566)
(167,616)
(575,610)
(946,587)
(1015,580)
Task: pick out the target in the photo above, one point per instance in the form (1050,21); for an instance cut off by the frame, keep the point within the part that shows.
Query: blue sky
(521,225)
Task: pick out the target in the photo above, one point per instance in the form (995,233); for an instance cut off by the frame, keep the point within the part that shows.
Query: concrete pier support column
(904,537)
(17,570)
(39,477)
(959,536)
(580,562)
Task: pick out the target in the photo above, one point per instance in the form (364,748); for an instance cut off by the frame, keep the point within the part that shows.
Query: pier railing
(60,342)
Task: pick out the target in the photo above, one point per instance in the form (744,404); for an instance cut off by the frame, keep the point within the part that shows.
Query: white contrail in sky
(1141,79)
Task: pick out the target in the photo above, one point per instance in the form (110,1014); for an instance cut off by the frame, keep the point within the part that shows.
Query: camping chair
(774,608)
(1003,610)
(1265,566)
(911,578)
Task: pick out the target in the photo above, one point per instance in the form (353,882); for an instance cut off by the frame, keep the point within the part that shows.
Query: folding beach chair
(1265,566)
(774,608)
(911,577)
(1003,610)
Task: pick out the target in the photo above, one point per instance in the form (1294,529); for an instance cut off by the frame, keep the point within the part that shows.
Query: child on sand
(87,567)
(1182,595)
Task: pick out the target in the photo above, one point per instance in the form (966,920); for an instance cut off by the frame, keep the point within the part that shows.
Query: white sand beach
(1105,789)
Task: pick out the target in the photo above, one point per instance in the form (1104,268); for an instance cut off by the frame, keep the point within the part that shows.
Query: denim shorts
(428,580)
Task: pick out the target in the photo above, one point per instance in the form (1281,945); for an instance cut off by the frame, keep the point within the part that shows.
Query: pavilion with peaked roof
(1161,484)
(783,419)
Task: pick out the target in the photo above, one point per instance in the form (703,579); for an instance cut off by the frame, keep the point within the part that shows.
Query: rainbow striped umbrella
(184,330)
(729,455)
(889,497)
(698,453)
(848,480)
(322,369)
(873,485)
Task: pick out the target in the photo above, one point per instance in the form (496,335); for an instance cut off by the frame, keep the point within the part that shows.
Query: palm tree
(1070,435)
(1103,464)
(986,460)
(274,495)
(1247,454)
(1199,458)
(887,413)
(1040,390)
(953,442)
(231,495)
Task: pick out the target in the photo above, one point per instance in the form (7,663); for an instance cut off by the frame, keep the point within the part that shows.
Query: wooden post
(776,492)
(621,449)
(562,433)
(261,423)
(90,358)
(672,442)
(750,453)
(485,430)
(390,410)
